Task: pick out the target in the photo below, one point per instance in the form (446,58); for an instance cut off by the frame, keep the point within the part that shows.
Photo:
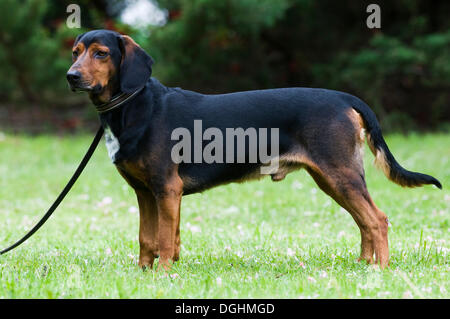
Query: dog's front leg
(176,255)
(168,202)
(148,228)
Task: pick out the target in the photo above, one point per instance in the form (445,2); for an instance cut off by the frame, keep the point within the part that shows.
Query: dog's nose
(73,77)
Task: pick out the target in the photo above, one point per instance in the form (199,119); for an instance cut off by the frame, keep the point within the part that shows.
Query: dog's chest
(112,143)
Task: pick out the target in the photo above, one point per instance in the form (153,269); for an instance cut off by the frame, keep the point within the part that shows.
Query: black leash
(64,192)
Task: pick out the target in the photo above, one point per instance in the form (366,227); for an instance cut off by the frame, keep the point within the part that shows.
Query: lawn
(254,240)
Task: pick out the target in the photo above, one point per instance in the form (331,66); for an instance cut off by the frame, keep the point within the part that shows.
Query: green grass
(253,240)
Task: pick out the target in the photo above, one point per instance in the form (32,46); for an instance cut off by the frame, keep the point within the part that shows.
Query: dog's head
(106,63)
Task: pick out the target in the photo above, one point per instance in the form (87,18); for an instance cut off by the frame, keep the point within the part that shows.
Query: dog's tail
(383,156)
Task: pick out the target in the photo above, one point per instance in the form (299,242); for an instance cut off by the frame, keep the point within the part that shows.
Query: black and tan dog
(320,130)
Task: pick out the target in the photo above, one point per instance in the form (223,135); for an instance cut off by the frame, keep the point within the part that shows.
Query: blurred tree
(216,44)
(222,46)
(401,70)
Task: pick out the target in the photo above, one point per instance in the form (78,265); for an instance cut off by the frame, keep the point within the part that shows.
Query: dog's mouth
(86,88)
(80,89)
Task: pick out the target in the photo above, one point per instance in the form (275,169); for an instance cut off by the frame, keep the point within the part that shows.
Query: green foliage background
(401,70)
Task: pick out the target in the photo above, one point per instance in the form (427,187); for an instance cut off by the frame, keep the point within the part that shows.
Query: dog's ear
(136,65)
(78,38)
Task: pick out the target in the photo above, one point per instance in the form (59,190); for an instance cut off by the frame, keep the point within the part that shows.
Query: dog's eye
(74,54)
(101,54)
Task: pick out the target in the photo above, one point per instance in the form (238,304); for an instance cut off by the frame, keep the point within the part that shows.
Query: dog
(322,131)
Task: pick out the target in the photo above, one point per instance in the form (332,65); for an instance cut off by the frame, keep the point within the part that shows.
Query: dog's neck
(111,97)
(127,123)
(111,91)
(116,101)
(137,109)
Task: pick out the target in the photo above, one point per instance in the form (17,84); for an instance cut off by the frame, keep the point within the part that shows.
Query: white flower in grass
(259,193)
(427,289)
(231,209)
(228,248)
(301,264)
(407,295)
(174,276)
(94,227)
(290,252)
(193,228)
(105,201)
(296,185)
(361,286)
(241,231)
(133,210)
(108,251)
(323,274)
(374,268)
(105,182)
(316,225)
(219,281)
(312,280)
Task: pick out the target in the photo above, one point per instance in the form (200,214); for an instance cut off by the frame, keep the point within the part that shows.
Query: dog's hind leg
(336,164)
(349,190)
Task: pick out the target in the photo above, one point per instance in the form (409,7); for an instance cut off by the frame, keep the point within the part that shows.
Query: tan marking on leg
(344,185)
(169,202)
(148,228)
(176,255)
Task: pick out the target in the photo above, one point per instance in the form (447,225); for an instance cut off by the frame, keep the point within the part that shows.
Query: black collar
(116,101)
